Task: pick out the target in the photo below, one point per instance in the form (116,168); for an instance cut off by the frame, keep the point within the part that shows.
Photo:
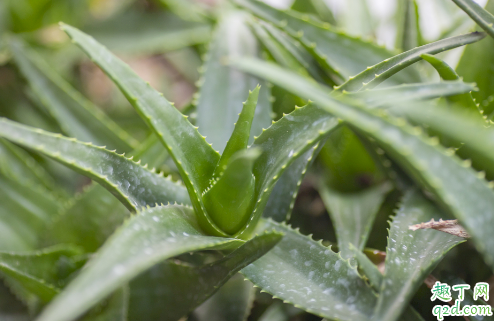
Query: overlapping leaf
(481,16)
(148,238)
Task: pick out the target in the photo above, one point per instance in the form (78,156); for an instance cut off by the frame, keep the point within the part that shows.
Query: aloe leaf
(230,198)
(231,303)
(344,55)
(408,33)
(186,9)
(76,115)
(285,141)
(410,92)
(481,16)
(10,307)
(34,207)
(475,65)
(282,198)
(309,275)
(317,8)
(353,214)
(367,267)
(375,75)
(447,73)
(239,138)
(410,255)
(38,272)
(115,309)
(148,238)
(223,89)
(19,165)
(194,157)
(356,18)
(159,293)
(134,185)
(148,32)
(430,164)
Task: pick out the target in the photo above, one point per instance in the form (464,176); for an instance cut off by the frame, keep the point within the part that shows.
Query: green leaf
(310,276)
(25,211)
(230,199)
(231,303)
(410,92)
(40,273)
(367,267)
(344,55)
(373,76)
(148,238)
(186,9)
(475,66)
(410,255)
(134,185)
(10,307)
(159,294)
(408,33)
(353,214)
(194,157)
(223,89)
(282,144)
(481,16)
(317,8)
(447,73)
(114,309)
(356,18)
(141,33)
(431,165)
(76,115)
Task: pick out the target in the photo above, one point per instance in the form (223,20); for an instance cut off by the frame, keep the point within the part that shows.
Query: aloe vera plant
(298,182)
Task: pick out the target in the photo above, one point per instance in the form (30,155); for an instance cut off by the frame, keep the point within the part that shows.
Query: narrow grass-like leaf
(146,239)
(353,214)
(232,302)
(310,276)
(374,75)
(344,55)
(25,211)
(130,182)
(430,164)
(76,115)
(447,73)
(170,290)
(282,143)
(481,16)
(408,23)
(194,157)
(410,92)
(40,272)
(410,255)
(223,89)
(148,33)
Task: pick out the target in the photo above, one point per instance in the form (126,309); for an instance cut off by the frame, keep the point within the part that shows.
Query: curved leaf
(373,76)
(194,157)
(344,55)
(76,115)
(353,214)
(172,289)
(134,185)
(481,16)
(410,255)
(307,274)
(430,164)
(146,239)
(115,309)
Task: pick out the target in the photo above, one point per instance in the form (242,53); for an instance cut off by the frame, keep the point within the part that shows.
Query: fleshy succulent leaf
(76,115)
(231,197)
(115,308)
(148,238)
(223,89)
(410,255)
(353,214)
(481,16)
(194,157)
(310,276)
(130,182)
(430,164)
(447,73)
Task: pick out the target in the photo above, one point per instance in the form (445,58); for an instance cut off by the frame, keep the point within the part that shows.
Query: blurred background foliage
(164,41)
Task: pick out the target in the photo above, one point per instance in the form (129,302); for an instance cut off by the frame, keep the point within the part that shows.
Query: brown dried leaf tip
(448,226)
